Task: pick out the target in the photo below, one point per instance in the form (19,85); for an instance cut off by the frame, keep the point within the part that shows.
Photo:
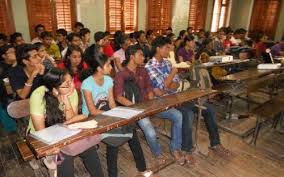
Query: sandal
(189,158)
(220,150)
(178,157)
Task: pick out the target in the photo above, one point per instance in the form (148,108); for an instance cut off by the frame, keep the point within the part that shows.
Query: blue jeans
(175,117)
(209,115)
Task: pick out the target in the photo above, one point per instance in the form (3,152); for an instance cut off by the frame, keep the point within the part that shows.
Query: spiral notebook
(54,134)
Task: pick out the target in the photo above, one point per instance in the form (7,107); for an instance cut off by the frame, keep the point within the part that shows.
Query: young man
(72,39)
(26,76)
(61,35)
(133,70)
(165,80)
(85,35)
(77,27)
(51,48)
(38,30)
(16,39)
(142,41)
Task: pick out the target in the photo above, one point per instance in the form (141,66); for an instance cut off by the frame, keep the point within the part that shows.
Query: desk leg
(200,108)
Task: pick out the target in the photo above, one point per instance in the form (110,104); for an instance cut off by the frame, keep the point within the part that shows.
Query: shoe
(189,158)
(220,150)
(147,173)
(178,157)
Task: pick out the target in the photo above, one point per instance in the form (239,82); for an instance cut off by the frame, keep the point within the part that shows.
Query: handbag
(82,145)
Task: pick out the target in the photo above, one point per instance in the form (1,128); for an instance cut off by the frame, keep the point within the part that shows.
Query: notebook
(123,112)
(54,134)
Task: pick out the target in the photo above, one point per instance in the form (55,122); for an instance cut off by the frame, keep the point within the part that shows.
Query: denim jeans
(175,116)
(137,152)
(209,115)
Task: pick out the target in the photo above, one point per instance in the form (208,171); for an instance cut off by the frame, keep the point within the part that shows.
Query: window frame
(226,15)
(9,18)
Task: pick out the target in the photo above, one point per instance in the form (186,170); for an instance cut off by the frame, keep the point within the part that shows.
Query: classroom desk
(252,73)
(106,123)
(234,62)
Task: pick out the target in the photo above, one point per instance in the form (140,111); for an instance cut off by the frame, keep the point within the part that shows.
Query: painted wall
(142,14)
(21,18)
(280,26)
(180,15)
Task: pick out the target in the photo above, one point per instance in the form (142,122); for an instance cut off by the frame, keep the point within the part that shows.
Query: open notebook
(54,134)
(123,112)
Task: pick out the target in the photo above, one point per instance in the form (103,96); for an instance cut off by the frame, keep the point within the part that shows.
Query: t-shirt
(38,104)
(119,54)
(99,93)
(53,51)
(18,78)
(186,55)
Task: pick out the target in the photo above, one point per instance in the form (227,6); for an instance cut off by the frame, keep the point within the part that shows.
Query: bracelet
(28,85)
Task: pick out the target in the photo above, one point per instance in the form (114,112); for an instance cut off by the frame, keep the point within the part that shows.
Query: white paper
(54,134)
(123,112)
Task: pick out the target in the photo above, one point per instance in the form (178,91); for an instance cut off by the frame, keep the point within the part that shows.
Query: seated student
(85,37)
(164,80)
(108,50)
(150,36)
(72,39)
(38,30)
(75,64)
(116,44)
(218,42)
(97,95)
(236,38)
(100,41)
(46,59)
(180,39)
(208,47)
(3,39)
(259,46)
(51,48)
(77,27)
(142,41)
(57,102)
(227,42)
(134,71)
(61,35)
(16,39)
(278,49)
(27,75)
(7,61)
(119,55)
(186,51)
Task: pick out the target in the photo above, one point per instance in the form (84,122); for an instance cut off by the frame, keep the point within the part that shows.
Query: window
(159,14)
(6,18)
(121,15)
(265,17)
(197,14)
(220,14)
(53,14)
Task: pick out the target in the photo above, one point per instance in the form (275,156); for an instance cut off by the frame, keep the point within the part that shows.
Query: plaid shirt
(159,71)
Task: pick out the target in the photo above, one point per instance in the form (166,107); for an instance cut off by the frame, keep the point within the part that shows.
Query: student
(180,39)
(72,39)
(278,49)
(236,38)
(97,95)
(218,41)
(141,39)
(116,44)
(46,59)
(57,102)
(134,71)
(16,39)
(85,38)
(51,48)
(227,42)
(119,55)
(61,35)
(75,64)
(27,75)
(169,30)
(7,61)
(186,51)
(108,50)
(100,41)
(38,30)
(208,47)
(3,39)
(77,27)
(150,36)
(164,81)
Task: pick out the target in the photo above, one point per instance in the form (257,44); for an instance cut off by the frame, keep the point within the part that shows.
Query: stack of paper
(123,112)
(269,66)
(54,134)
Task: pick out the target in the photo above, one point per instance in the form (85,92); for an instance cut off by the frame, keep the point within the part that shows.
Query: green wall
(92,13)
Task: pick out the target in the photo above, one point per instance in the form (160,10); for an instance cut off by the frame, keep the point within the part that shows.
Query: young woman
(186,52)
(97,95)
(57,102)
(46,59)
(74,63)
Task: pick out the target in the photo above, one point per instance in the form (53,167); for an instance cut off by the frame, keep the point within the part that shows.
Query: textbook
(123,112)
(54,133)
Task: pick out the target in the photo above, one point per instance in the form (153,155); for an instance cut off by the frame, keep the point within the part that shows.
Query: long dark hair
(53,79)
(94,59)
(67,60)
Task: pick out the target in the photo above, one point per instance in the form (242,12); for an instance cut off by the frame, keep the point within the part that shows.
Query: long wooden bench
(25,151)
(267,111)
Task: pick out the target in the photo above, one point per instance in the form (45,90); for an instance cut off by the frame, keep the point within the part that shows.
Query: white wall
(180,15)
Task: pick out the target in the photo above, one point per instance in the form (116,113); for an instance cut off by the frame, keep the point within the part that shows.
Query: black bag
(118,136)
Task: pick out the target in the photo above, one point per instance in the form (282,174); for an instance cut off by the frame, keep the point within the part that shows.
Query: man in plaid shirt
(165,81)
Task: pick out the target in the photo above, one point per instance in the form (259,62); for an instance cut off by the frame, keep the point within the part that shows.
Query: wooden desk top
(106,123)
(249,74)
(234,62)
